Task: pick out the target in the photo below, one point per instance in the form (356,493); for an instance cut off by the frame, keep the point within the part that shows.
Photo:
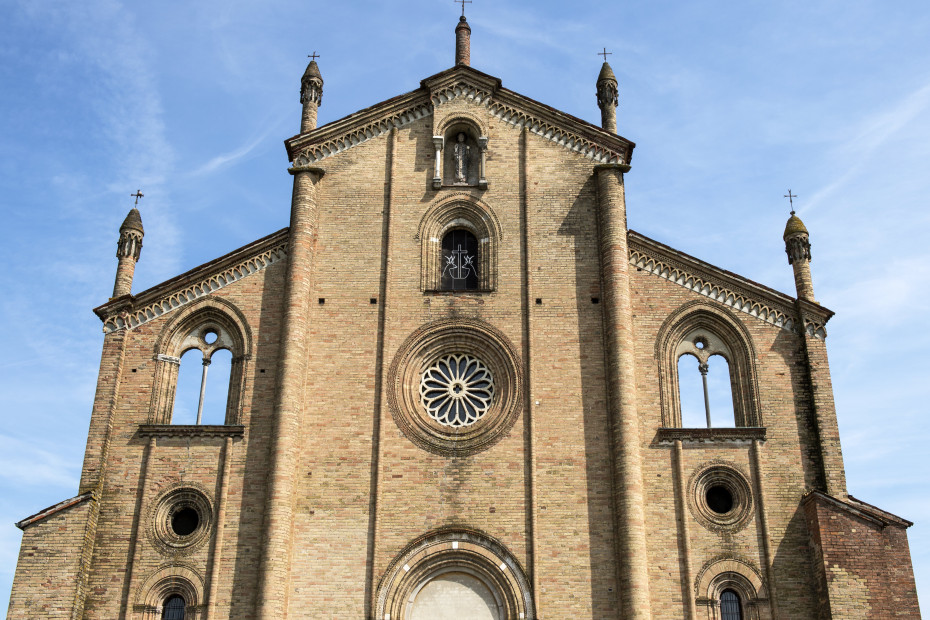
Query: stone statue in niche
(461,154)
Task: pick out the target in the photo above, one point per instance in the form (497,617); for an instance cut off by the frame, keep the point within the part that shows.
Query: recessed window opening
(216,388)
(210,336)
(691,392)
(202,388)
(719,499)
(705,390)
(174,608)
(185,521)
(720,392)
(459,261)
(730,607)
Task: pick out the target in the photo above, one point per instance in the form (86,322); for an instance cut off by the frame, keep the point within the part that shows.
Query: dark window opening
(459,261)
(185,521)
(719,499)
(730,608)
(174,608)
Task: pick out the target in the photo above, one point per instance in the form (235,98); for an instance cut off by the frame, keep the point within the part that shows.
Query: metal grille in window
(457,390)
(729,606)
(174,608)
(459,261)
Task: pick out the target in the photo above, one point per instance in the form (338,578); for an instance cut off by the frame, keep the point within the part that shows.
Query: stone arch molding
(185,332)
(175,578)
(729,337)
(457,550)
(729,572)
(459,210)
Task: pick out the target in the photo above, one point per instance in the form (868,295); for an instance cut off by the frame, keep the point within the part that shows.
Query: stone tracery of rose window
(457,390)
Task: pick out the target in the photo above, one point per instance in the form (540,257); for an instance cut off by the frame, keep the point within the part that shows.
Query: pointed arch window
(202,394)
(459,261)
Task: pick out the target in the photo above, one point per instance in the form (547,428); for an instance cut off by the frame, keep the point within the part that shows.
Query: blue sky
(730,104)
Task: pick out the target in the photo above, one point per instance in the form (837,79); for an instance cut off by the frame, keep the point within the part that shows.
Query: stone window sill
(191,430)
(738,436)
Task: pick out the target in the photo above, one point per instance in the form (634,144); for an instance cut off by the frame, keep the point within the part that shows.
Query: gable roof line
(732,290)
(132,311)
(564,129)
(51,510)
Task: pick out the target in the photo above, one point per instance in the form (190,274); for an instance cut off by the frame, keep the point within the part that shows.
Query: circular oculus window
(455,387)
(181,521)
(720,497)
(457,390)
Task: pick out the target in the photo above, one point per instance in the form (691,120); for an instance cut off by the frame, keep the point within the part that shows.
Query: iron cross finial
(791,198)
(137,196)
(463,3)
(605,54)
(313,56)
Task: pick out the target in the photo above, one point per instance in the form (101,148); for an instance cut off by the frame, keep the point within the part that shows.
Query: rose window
(457,390)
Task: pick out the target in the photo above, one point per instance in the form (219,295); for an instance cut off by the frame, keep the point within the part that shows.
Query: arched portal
(455,595)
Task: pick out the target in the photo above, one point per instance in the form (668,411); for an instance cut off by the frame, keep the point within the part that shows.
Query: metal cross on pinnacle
(605,54)
(791,198)
(313,56)
(463,3)
(137,196)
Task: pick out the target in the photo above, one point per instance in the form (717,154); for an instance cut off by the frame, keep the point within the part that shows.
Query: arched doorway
(454,595)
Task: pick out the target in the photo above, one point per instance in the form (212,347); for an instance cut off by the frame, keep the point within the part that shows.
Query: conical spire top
(133,221)
(463,38)
(608,94)
(311,94)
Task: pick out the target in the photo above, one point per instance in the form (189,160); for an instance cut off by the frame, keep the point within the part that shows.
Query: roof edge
(860,509)
(139,303)
(786,303)
(51,510)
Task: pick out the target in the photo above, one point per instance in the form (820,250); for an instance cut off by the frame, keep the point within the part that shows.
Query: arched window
(203,385)
(459,261)
(705,387)
(173,608)
(707,367)
(201,358)
(730,606)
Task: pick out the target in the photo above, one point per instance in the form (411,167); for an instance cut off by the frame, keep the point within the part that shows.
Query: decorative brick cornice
(130,312)
(353,136)
(726,288)
(858,508)
(473,93)
(558,134)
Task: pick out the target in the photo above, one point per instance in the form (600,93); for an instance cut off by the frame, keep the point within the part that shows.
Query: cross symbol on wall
(605,54)
(137,196)
(791,198)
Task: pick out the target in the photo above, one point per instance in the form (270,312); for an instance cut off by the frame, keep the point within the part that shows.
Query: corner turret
(798,248)
(463,42)
(607,96)
(311,94)
(128,250)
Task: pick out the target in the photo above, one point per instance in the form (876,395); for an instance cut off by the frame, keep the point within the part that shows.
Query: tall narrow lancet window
(730,607)
(720,392)
(691,392)
(173,608)
(459,261)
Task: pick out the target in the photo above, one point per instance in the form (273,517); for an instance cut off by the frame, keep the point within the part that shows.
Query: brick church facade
(454,393)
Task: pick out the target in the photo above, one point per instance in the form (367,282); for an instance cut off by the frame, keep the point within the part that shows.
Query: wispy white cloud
(236,155)
(32,464)
(872,134)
